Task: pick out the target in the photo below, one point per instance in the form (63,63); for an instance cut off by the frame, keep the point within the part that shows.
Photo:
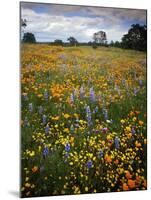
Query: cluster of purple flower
(117,142)
(47,129)
(30,106)
(45,152)
(46,95)
(89,164)
(67,147)
(92,95)
(44,119)
(88,115)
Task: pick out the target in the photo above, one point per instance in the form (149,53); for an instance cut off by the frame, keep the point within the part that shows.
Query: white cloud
(48,26)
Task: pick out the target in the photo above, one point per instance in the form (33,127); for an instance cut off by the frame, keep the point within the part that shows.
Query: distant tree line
(136,39)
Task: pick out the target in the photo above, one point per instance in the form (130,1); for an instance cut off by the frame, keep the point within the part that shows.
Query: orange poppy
(125,187)
(34,169)
(138,179)
(108,158)
(145,183)
(128,175)
(141,122)
(116,161)
(131,184)
(131,113)
(138,144)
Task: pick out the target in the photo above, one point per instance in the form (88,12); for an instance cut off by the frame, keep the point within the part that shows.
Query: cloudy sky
(49,22)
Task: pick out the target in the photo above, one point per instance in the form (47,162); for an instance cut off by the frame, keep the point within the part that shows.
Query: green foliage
(114,74)
(29,38)
(58,42)
(73,41)
(136,38)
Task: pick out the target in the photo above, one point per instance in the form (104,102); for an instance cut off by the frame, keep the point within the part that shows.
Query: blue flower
(88,115)
(67,147)
(76,123)
(44,119)
(47,129)
(140,83)
(72,98)
(100,154)
(46,95)
(92,95)
(30,107)
(96,109)
(89,164)
(133,130)
(105,114)
(117,142)
(40,110)
(45,151)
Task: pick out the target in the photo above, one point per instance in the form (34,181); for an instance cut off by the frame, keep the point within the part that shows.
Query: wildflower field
(83,120)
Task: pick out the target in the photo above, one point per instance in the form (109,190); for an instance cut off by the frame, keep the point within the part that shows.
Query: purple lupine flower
(40,110)
(100,154)
(77,122)
(105,114)
(72,98)
(96,109)
(44,119)
(63,57)
(67,147)
(66,157)
(46,95)
(30,107)
(81,92)
(140,83)
(133,130)
(47,129)
(117,141)
(88,115)
(45,151)
(92,95)
(97,131)
(89,164)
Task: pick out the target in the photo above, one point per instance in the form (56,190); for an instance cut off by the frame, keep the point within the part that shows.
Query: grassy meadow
(83,120)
